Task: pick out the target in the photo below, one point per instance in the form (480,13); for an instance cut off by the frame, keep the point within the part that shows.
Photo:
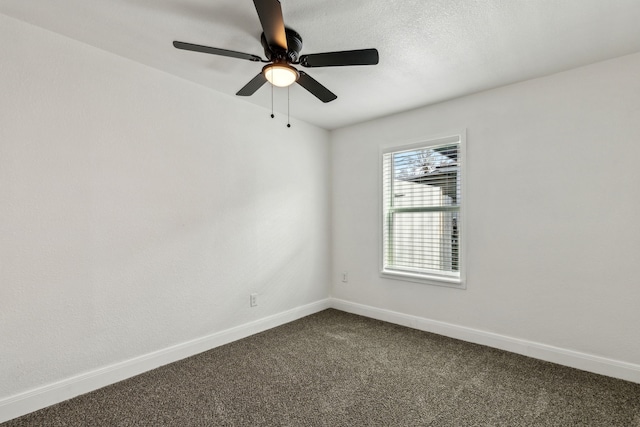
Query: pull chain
(272,116)
(288,121)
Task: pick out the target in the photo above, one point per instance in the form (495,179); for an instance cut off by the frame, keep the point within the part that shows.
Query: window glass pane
(424,241)
(426,177)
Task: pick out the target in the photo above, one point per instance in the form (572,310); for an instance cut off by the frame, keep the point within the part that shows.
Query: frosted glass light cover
(281,75)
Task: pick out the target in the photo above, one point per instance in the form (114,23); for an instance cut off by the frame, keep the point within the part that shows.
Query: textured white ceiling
(430,50)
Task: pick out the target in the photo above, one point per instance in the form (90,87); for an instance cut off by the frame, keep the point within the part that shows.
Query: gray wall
(551,212)
(139,211)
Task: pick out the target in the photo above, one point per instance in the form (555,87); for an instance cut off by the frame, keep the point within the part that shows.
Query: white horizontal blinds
(421,197)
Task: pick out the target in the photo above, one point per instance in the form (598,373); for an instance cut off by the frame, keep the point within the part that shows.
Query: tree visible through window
(421,211)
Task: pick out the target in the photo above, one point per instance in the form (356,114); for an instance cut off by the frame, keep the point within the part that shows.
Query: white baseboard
(574,359)
(41,397)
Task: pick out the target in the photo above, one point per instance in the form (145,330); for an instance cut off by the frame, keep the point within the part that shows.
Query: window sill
(436,280)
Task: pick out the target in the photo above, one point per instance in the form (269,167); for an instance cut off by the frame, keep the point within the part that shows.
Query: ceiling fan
(282,48)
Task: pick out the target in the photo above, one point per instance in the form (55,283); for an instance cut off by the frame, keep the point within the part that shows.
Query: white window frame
(459,281)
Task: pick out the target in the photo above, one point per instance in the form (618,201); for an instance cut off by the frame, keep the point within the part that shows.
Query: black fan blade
(319,91)
(337,59)
(251,87)
(216,51)
(270,14)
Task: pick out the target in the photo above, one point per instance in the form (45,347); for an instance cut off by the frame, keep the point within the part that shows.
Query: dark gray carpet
(338,369)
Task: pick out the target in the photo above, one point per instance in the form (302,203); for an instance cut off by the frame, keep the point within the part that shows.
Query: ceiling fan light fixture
(282,48)
(281,75)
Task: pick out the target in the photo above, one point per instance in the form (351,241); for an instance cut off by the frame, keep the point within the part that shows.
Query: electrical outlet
(253,300)
(345,276)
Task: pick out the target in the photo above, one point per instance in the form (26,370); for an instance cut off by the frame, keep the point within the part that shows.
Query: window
(421,212)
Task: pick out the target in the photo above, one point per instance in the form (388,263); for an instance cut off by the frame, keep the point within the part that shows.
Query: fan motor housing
(294,45)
